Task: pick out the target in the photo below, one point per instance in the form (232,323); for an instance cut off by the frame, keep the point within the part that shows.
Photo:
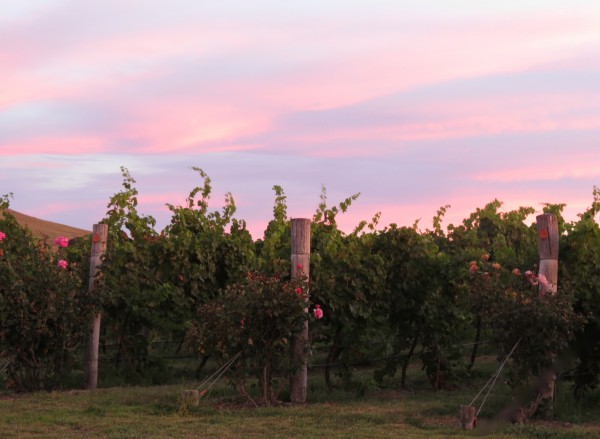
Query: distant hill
(47,228)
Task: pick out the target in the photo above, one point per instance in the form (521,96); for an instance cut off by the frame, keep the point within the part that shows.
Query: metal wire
(494,377)
(219,372)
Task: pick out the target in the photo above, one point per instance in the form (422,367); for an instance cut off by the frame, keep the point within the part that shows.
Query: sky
(414,104)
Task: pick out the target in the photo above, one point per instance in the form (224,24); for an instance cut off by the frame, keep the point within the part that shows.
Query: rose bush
(256,317)
(515,308)
(45,310)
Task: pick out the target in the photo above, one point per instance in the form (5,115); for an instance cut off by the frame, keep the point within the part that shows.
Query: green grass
(157,412)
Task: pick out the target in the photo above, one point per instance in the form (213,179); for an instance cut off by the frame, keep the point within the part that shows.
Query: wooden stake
(99,237)
(300,259)
(468,421)
(190,398)
(547,225)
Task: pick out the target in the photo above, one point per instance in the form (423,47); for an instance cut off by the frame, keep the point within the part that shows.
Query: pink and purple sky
(415,104)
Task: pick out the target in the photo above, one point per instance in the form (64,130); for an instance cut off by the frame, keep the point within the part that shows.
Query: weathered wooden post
(547,225)
(99,237)
(300,259)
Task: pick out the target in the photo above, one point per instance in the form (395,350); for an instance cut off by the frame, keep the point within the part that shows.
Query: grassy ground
(157,412)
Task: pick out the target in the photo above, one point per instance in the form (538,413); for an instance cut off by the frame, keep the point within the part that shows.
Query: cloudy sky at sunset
(415,104)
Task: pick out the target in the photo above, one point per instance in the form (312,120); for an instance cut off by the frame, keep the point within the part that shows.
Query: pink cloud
(52,208)
(23,87)
(135,70)
(151,47)
(375,64)
(555,165)
(68,145)
(498,105)
(181,131)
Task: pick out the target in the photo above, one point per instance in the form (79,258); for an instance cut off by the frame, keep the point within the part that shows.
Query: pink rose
(473,268)
(531,277)
(298,290)
(62,264)
(2,236)
(318,312)
(485,257)
(61,241)
(516,272)
(299,267)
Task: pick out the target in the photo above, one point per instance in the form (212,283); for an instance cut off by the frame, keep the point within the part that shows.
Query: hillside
(47,228)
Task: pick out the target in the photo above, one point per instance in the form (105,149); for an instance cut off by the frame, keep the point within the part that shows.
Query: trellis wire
(219,372)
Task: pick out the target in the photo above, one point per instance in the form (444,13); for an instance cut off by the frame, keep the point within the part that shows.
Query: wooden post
(468,421)
(99,237)
(547,226)
(300,259)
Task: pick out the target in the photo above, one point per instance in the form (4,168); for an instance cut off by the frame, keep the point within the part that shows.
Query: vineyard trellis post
(547,225)
(99,238)
(300,259)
